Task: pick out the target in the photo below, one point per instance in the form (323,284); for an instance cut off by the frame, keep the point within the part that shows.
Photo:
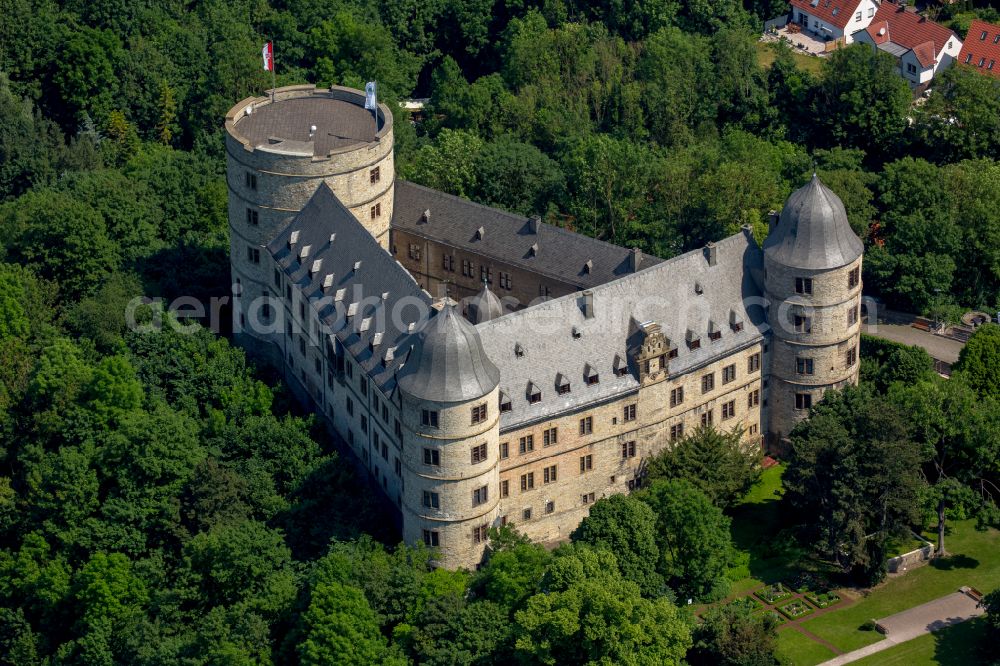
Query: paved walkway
(934,615)
(941,348)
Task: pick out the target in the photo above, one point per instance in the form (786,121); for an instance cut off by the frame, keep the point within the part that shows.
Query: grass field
(765,56)
(954,646)
(797,649)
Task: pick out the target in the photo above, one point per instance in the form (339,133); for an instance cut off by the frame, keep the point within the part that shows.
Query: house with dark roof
(920,46)
(981,49)
(485,368)
(833,19)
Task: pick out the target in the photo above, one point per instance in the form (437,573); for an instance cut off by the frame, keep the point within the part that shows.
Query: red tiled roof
(982,50)
(834,12)
(909,30)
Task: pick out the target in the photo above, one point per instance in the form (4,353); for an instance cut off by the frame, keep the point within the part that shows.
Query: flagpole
(273,74)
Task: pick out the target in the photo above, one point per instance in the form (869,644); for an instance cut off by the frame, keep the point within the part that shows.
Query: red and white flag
(268,54)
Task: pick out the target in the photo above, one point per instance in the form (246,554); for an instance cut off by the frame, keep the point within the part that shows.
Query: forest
(164,501)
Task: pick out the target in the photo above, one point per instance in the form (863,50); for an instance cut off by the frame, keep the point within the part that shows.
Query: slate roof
(448,363)
(981,48)
(813,232)
(558,342)
(509,238)
(893,24)
(286,123)
(834,12)
(327,253)
(485,306)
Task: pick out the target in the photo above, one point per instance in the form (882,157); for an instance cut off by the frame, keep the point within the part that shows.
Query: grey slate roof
(339,123)
(484,306)
(813,232)
(448,363)
(363,282)
(507,237)
(665,294)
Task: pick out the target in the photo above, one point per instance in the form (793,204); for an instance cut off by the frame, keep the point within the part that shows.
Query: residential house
(833,19)
(982,48)
(921,47)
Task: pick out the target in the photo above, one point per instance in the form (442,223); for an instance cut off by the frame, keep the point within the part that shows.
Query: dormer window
(505,403)
(518,351)
(693,341)
(621,366)
(713,331)
(590,375)
(562,384)
(576,333)
(534,394)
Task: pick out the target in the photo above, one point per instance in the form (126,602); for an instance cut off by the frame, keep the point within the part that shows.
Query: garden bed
(749,602)
(823,599)
(773,593)
(796,609)
(778,617)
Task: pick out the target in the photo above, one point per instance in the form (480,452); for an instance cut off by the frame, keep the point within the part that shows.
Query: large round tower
(812,279)
(277,154)
(451,429)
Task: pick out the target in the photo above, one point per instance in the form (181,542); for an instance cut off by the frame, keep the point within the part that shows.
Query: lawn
(766,55)
(954,646)
(796,649)
(975,561)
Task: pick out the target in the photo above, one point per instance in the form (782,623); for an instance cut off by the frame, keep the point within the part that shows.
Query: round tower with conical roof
(451,432)
(484,306)
(812,279)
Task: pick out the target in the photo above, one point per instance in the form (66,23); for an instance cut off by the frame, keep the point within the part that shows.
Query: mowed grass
(797,649)
(954,646)
(766,56)
(974,561)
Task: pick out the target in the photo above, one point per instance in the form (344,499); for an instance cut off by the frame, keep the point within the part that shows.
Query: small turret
(484,306)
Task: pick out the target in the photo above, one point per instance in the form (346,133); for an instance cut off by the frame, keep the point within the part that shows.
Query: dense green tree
(961,119)
(513,574)
(448,164)
(979,361)
(740,82)
(992,603)
(721,464)
(790,88)
(733,635)
(85,75)
(516,176)
(632,19)
(30,145)
(340,627)
(626,526)
(859,101)
(693,537)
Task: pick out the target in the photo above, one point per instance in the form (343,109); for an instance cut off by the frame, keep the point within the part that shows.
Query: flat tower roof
(338,114)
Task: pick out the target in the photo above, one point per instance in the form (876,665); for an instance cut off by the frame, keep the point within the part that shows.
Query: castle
(488,368)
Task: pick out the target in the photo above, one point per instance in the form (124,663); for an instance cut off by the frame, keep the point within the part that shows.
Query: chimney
(772,219)
(533,223)
(426,216)
(711,253)
(634,259)
(588,304)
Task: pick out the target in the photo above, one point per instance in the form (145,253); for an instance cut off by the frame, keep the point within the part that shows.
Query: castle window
(375,175)
(544,291)
(363,383)
(729,373)
(676,396)
(384,449)
(431,538)
(672,353)
(480,496)
(852,356)
(527,481)
(486,274)
(398,466)
(478,454)
(753,363)
(480,534)
(350,369)
(629,413)
(505,280)
(803,400)
(253,255)
(527,444)
(753,398)
(550,506)
(431,500)
(466,268)
(318,367)
(676,432)
(586,463)
(587,498)
(432,457)
(504,450)
(586,425)
(448,262)
(802,324)
(253,217)
(549,474)
(414,252)
(854,277)
(550,437)
(399,429)
(251,181)
(628,450)
(634,484)
(852,315)
(526,514)
(728,410)
(288,292)
(429,417)
(364,424)
(504,488)
(479,413)
(804,366)
(385,413)
(350,407)
(706,418)
(707,382)
(376,211)
(277,278)
(803,286)
(302,311)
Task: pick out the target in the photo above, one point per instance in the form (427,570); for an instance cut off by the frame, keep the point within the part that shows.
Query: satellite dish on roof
(881,31)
